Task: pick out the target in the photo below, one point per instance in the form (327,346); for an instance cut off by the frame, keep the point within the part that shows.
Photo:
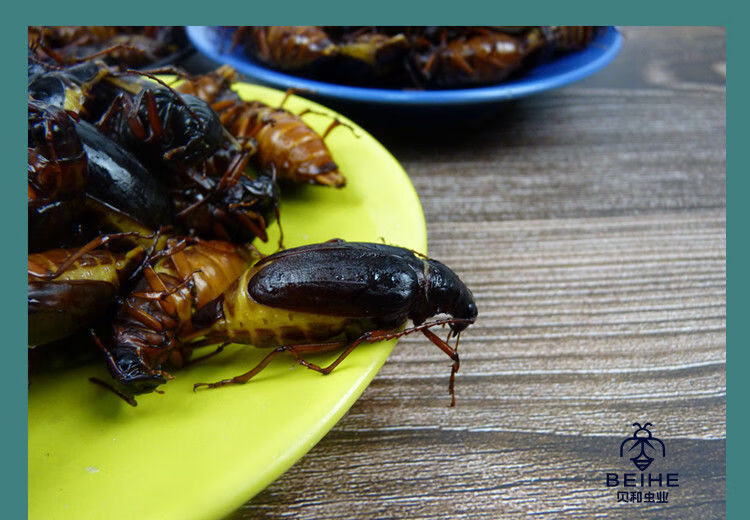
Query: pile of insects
(143,201)
(409,57)
(127,46)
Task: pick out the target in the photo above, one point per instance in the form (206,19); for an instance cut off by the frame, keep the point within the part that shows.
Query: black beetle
(336,295)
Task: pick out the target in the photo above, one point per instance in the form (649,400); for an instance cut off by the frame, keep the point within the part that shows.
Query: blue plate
(215,43)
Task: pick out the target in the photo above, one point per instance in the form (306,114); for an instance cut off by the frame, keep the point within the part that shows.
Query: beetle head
(447,294)
(203,126)
(133,376)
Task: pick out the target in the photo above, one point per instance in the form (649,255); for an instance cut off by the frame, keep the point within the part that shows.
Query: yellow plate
(185,455)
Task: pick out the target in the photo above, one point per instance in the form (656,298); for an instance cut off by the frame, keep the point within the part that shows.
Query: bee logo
(643,439)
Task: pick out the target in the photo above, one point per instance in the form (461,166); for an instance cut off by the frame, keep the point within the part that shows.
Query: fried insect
(286,146)
(57,175)
(163,127)
(335,296)
(287,47)
(118,45)
(157,313)
(562,38)
(423,57)
(70,88)
(235,208)
(118,179)
(69,288)
(181,139)
(471,57)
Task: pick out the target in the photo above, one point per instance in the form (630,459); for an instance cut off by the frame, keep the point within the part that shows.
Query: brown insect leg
(154,120)
(463,64)
(171,69)
(163,294)
(278,223)
(145,318)
(173,247)
(161,82)
(452,353)
(258,229)
(110,50)
(51,53)
(125,104)
(333,124)
(198,359)
(234,170)
(128,399)
(110,359)
(368,337)
(295,350)
(289,92)
(93,244)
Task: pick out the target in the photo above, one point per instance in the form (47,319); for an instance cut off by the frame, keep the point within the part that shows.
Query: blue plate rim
(605,47)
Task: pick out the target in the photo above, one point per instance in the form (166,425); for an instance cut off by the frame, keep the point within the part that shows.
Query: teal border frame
(383,12)
(738,355)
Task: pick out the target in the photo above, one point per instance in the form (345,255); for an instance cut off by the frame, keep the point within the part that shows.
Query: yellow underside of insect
(97,266)
(247,321)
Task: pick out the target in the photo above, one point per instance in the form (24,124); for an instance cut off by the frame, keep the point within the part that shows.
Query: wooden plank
(586,326)
(575,155)
(590,224)
(485,475)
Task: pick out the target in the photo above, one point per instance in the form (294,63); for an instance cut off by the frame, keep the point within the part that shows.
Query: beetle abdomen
(340,279)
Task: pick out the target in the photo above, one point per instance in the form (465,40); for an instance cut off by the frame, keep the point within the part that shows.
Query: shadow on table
(431,126)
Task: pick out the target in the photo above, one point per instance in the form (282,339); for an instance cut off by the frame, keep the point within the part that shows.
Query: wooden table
(590,223)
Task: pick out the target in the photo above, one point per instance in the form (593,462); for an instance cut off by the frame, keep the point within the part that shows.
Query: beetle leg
(110,50)
(234,170)
(463,64)
(224,104)
(198,359)
(171,69)
(154,121)
(295,350)
(289,92)
(174,151)
(259,230)
(248,125)
(452,353)
(368,337)
(382,335)
(160,295)
(173,247)
(333,124)
(128,399)
(145,318)
(107,353)
(228,111)
(51,53)
(316,348)
(156,284)
(192,207)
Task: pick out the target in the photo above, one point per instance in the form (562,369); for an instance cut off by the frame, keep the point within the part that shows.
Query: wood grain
(590,224)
